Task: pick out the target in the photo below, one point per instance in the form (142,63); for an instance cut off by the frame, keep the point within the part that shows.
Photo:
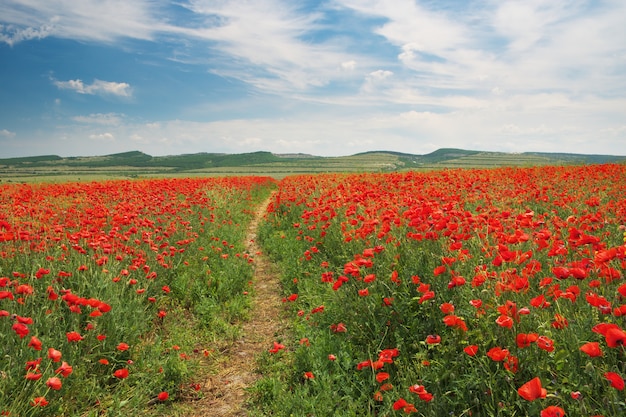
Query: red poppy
(401,404)
(54,383)
(420,390)
(498,354)
(74,337)
(532,390)
(616,380)
(163,396)
(615,337)
(277,347)
(33,376)
(54,354)
(122,346)
(455,321)
(39,402)
(504,321)
(545,343)
(309,375)
(65,369)
(560,322)
(121,373)
(35,343)
(20,329)
(432,339)
(525,339)
(592,349)
(381,376)
(471,350)
(447,308)
(552,411)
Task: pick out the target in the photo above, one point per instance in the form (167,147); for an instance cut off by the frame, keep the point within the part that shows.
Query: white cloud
(13,35)
(93,20)
(112,119)
(102,136)
(7,133)
(348,65)
(97,87)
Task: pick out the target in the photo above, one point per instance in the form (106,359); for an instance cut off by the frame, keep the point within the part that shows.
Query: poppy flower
(552,411)
(471,350)
(592,349)
(616,380)
(497,354)
(20,329)
(447,308)
(277,347)
(525,339)
(54,383)
(309,375)
(545,343)
(122,346)
(163,396)
(433,339)
(576,395)
(615,337)
(504,321)
(35,343)
(65,369)
(455,321)
(33,376)
(402,404)
(381,376)
(121,373)
(532,390)
(420,390)
(54,354)
(39,402)
(73,337)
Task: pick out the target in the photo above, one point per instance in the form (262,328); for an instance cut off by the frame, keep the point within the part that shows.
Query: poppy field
(111,291)
(450,293)
(462,292)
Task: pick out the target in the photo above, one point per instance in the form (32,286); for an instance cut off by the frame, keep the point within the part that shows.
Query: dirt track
(225,392)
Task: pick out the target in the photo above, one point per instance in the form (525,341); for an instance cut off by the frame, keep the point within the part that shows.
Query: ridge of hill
(136,163)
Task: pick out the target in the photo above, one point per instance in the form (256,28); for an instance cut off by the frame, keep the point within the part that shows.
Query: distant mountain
(373,160)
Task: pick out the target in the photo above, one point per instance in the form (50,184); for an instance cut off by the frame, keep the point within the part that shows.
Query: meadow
(465,292)
(112,292)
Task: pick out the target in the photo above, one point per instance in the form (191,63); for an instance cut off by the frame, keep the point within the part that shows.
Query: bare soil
(225,389)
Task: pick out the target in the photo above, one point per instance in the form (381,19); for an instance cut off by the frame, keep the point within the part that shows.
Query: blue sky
(336,77)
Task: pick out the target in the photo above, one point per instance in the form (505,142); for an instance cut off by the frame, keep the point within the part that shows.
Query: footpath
(225,391)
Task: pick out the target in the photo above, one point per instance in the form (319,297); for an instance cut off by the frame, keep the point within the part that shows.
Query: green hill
(136,163)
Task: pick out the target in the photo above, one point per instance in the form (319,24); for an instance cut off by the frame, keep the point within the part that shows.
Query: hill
(136,163)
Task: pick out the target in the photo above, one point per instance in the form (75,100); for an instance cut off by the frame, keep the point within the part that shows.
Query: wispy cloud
(271,44)
(108,119)
(97,87)
(6,133)
(92,20)
(108,137)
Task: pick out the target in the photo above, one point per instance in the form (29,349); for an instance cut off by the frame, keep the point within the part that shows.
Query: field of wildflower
(102,284)
(446,293)
(450,293)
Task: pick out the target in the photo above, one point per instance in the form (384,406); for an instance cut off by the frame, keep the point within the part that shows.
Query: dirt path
(225,392)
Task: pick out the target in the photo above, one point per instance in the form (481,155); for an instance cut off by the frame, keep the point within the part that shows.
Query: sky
(328,78)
